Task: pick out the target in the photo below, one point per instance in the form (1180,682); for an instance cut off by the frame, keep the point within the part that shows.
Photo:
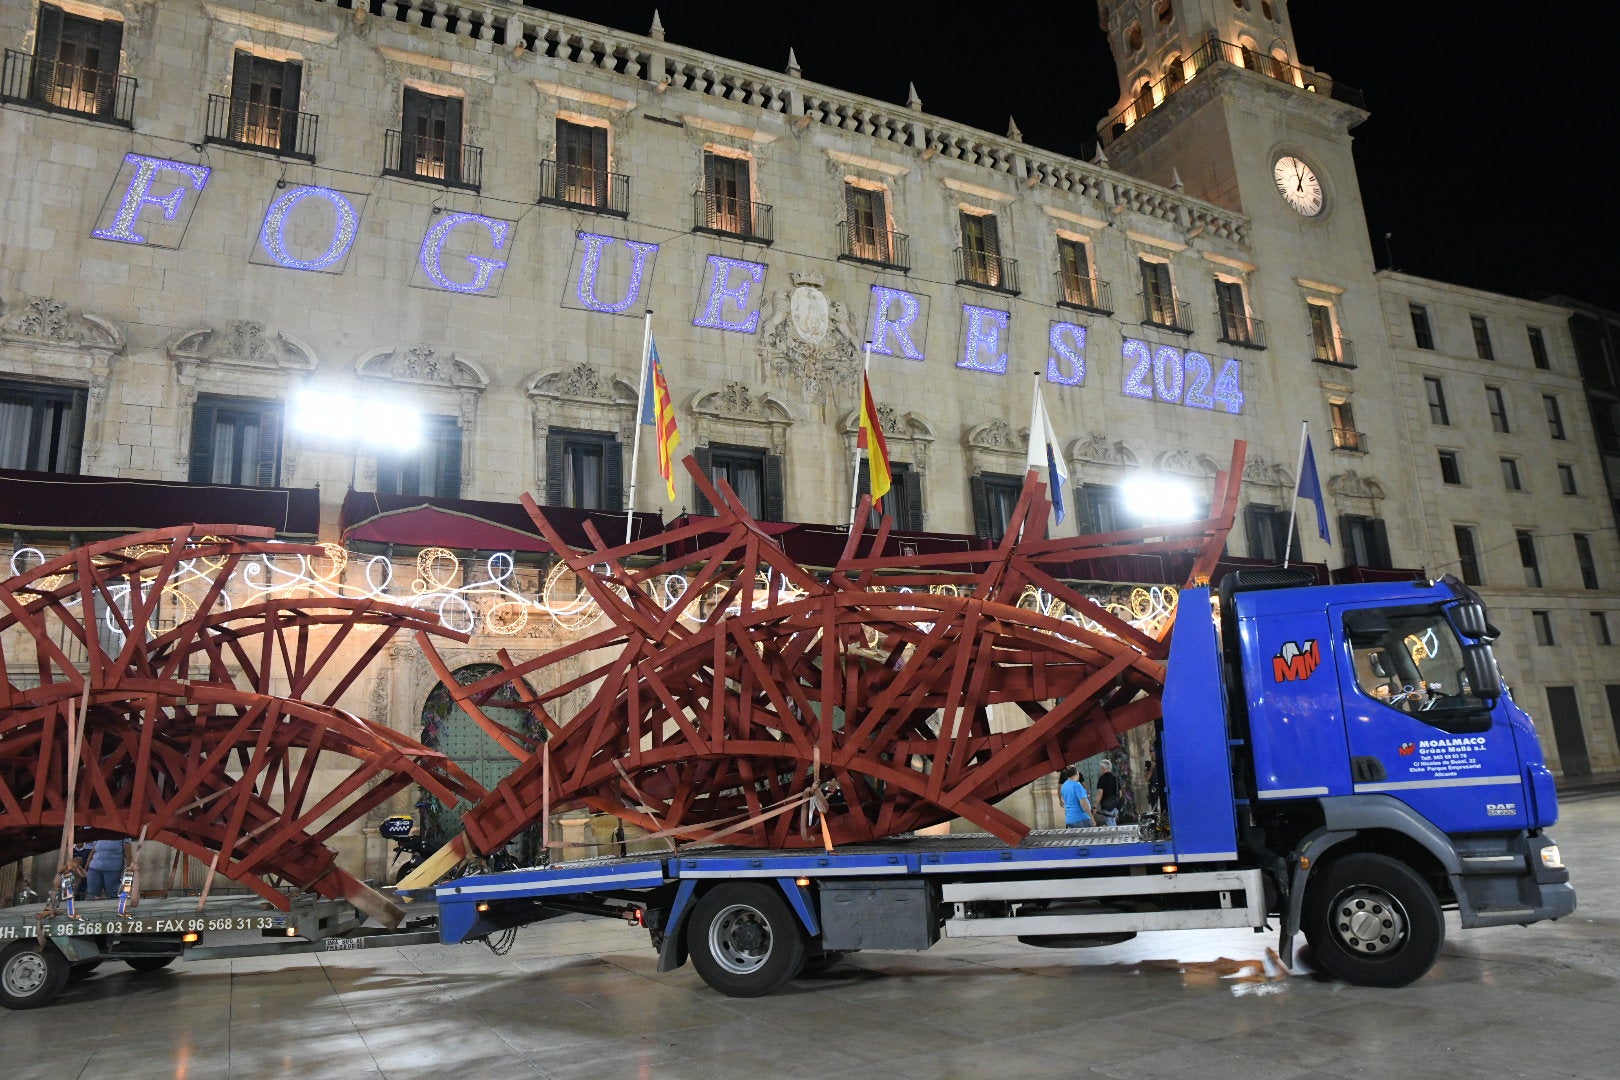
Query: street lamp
(379,425)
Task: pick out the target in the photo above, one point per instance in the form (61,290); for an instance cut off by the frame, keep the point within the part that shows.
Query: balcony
(1349,440)
(1085,293)
(581,188)
(1240,330)
(875,247)
(66,88)
(986,270)
(1166,314)
(244,125)
(724,215)
(438,161)
(1335,352)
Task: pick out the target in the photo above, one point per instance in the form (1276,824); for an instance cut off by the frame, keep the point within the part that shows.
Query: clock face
(1299,186)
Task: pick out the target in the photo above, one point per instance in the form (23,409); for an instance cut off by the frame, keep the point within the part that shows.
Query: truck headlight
(1550,857)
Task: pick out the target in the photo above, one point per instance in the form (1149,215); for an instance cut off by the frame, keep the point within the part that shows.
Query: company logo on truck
(1295,662)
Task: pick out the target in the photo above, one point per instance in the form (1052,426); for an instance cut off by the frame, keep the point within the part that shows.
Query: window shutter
(388,473)
(981,506)
(74,436)
(1378,544)
(710,195)
(413,117)
(452,139)
(599,166)
(911,504)
(110,39)
(851,212)
(447,485)
(203,419)
(775,488)
(555,468)
(47,50)
(292,79)
(700,502)
(613,474)
(992,239)
(267,470)
(241,86)
(1347,539)
(745,207)
(1085,512)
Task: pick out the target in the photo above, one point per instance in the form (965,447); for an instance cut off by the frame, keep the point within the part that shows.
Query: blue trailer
(1339,760)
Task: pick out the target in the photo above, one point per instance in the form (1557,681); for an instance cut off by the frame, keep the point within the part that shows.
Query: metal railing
(986,270)
(248,126)
(729,216)
(879,247)
(567,184)
(1337,351)
(68,88)
(440,161)
(1250,333)
(1088,294)
(1166,313)
(1349,439)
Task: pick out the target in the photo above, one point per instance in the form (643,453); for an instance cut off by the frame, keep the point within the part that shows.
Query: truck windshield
(1410,658)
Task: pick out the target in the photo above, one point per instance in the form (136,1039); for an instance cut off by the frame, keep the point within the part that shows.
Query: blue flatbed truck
(1340,760)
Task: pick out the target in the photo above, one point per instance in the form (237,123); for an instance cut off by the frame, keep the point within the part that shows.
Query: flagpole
(1293,504)
(635,446)
(860,408)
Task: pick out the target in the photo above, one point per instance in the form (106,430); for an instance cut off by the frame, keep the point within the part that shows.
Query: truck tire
(149,963)
(31,975)
(744,940)
(1372,921)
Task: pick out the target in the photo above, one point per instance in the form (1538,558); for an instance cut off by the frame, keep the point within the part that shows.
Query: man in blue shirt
(106,868)
(1076,806)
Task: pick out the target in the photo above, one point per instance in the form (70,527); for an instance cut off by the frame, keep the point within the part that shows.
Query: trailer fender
(672,954)
(76,949)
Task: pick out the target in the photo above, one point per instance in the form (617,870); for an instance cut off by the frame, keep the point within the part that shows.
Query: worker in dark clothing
(1108,803)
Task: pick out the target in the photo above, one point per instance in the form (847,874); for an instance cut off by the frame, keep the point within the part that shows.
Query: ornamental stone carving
(244,359)
(44,319)
(1187,463)
(1098,449)
(1257,470)
(1353,486)
(735,412)
(806,335)
(42,337)
(424,365)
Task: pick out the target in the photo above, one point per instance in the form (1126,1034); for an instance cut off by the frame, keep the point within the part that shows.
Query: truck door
(1415,728)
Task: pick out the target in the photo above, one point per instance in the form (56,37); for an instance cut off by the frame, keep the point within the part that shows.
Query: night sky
(1486,155)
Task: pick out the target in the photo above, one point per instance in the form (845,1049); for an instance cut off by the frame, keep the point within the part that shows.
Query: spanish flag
(877,448)
(658,409)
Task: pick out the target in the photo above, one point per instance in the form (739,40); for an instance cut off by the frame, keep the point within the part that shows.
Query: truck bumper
(1512,884)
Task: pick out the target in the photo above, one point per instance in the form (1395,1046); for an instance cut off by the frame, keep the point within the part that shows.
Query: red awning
(62,504)
(473,524)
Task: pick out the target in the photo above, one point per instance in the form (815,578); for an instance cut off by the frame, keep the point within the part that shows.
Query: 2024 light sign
(313,228)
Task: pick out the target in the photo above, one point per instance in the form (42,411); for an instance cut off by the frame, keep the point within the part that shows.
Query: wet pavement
(581,999)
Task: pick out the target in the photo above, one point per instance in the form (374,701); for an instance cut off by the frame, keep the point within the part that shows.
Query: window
(903,503)
(1498,408)
(1583,559)
(1528,559)
(1600,628)
(1566,479)
(867,233)
(753,473)
(76,62)
(1345,435)
(1269,538)
(1436,393)
(1422,334)
(981,252)
(1555,416)
(235,441)
(1233,312)
(994,496)
(1409,658)
(1538,348)
(432,469)
(1482,337)
(1322,335)
(41,427)
(582,165)
(584,469)
(1450,470)
(728,194)
(1544,629)
(1510,474)
(1100,509)
(430,138)
(1365,541)
(1158,296)
(1074,273)
(1467,555)
(264,102)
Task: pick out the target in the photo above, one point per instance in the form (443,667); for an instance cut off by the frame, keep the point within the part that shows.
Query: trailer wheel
(149,963)
(744,940)
(31,975)
(1372,921)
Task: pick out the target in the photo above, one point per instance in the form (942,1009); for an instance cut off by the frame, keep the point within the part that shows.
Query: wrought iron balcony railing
(1088,294)
(879,247)
(1241,330)
(439,161)
(1349,439)
(248,126)
(728,216)
(986,270)
(1338,351)
(68,88)
(584,188)
(1165,313)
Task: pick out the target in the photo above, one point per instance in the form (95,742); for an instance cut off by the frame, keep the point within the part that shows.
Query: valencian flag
(877,448)
(658,410)
(1044,454)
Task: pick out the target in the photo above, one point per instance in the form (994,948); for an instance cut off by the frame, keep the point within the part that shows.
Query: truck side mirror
(1484,678)
(1469,619)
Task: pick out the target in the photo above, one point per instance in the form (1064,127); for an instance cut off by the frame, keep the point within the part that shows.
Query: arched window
(1174,75)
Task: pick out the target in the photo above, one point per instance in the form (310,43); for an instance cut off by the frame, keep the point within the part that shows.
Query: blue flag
(1310,487)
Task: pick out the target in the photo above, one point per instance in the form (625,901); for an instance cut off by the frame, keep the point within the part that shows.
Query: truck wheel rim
(740,939)
(25,974)
(1369,921)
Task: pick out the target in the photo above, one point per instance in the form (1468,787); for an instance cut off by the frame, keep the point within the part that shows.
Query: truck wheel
(31,975)
(149,963)
(1372,921)
(744,940)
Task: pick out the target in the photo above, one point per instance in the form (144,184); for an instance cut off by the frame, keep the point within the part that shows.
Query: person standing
(105,870)
(1076,807)
(1108,793)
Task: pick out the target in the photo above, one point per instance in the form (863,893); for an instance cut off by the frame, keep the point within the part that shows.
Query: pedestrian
(1155,787)
(105,870)
(1076,807)
(1108,793)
